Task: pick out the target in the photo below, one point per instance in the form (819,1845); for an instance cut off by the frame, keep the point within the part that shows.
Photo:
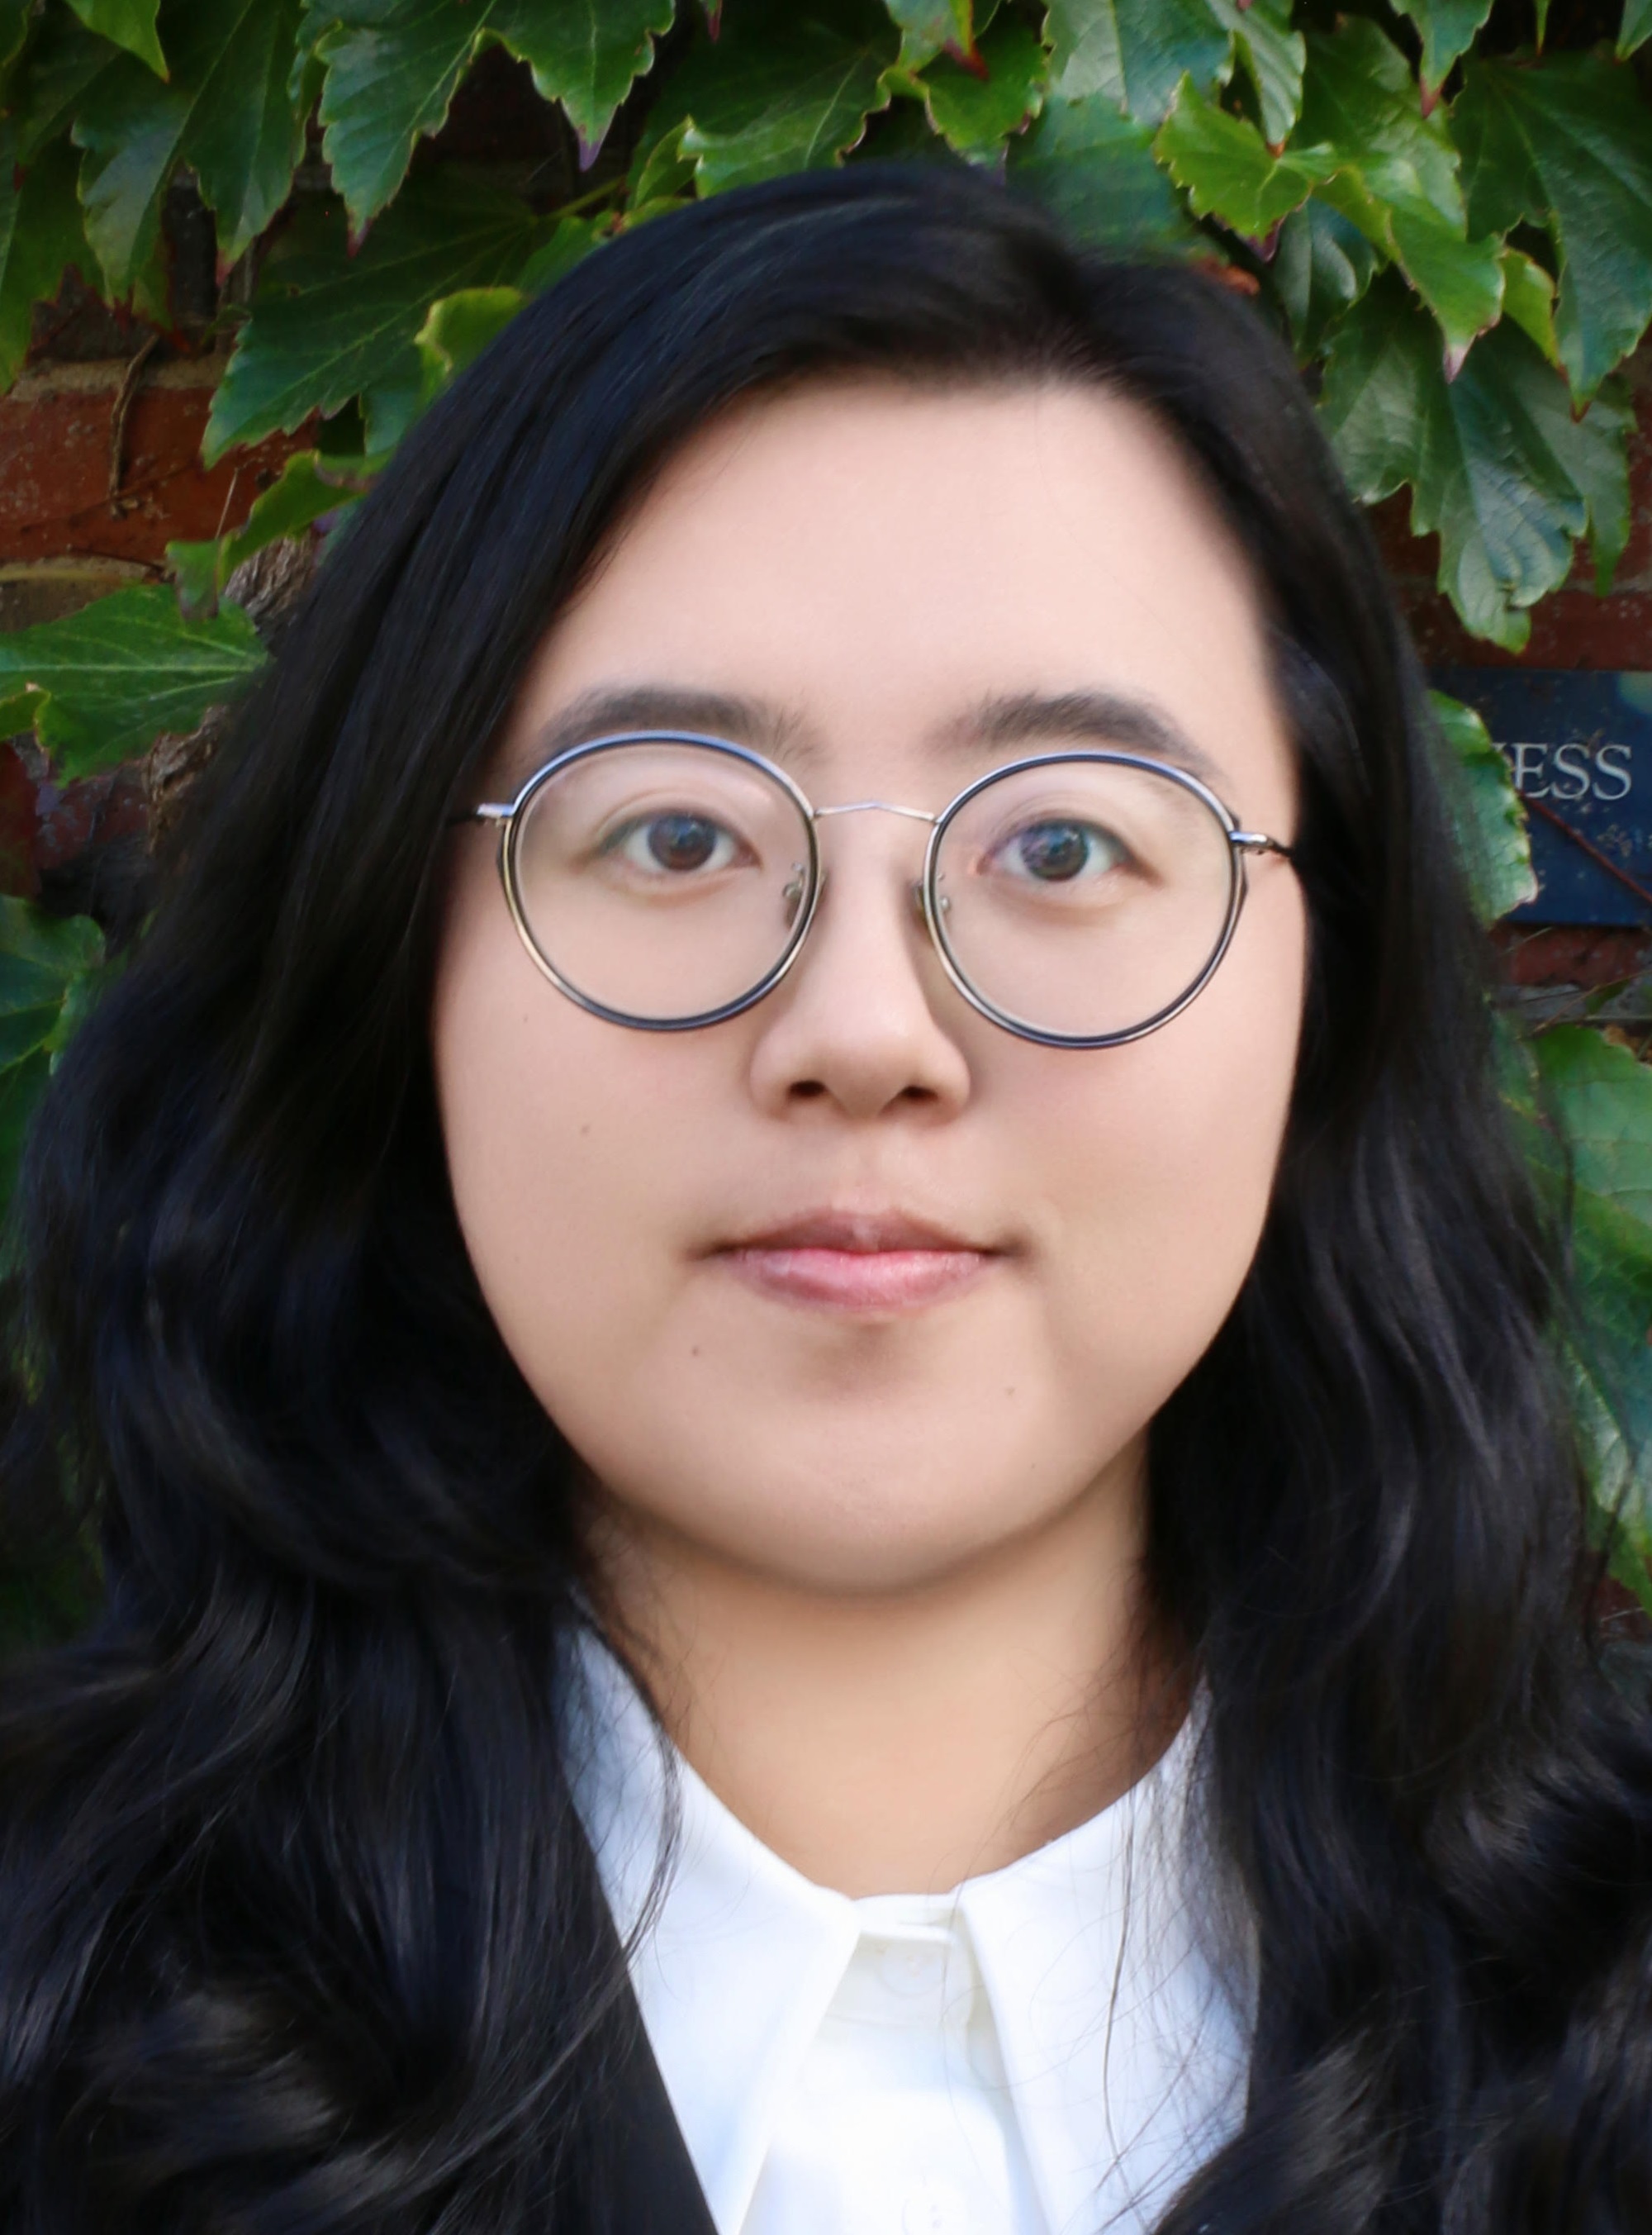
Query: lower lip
(860,1280)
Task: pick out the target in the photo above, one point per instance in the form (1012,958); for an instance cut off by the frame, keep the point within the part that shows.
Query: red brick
(1584,956)
(1572,628)
(55,443)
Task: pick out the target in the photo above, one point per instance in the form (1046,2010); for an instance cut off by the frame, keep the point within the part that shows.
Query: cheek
(1158,1161)
(566,1152)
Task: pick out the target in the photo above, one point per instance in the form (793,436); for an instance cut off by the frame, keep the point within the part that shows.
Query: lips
(867,1261)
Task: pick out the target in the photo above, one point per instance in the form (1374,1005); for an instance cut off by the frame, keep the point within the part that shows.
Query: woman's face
(857,1286)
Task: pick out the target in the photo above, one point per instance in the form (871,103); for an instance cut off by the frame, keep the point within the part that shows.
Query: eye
(679,843)
(1061,850)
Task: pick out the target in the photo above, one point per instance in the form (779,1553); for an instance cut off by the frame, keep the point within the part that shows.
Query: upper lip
(864,1233)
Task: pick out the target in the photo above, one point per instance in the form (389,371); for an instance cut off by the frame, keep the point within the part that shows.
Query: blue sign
(1579,747)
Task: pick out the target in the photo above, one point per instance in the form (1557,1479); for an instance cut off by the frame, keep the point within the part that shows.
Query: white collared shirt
(1050,2049)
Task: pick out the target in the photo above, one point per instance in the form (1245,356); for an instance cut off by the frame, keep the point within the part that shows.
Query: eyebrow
(1099,717)
(665,708)
(998,724)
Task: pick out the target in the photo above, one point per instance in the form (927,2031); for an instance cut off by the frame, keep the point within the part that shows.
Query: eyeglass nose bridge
(876,807)
(916,885)
(918,892)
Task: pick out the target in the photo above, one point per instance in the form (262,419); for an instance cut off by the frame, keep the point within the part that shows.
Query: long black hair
(297,1930)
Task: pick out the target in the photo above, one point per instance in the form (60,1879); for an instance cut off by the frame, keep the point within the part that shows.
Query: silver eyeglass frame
(507,815)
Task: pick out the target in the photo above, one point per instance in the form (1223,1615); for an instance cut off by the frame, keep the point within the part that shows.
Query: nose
(861,1023)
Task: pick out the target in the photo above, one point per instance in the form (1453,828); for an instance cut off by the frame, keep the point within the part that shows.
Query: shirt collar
(1124,2044)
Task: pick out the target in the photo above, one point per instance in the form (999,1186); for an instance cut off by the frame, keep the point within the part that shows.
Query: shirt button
(912,1967)
(936,2206)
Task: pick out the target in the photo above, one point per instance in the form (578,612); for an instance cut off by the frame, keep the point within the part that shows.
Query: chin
(870,1529)
(822,1561)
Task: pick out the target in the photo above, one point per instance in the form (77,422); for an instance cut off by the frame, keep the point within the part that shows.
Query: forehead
(871,563)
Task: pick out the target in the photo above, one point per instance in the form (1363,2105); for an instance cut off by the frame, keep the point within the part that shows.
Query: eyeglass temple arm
(1257,842)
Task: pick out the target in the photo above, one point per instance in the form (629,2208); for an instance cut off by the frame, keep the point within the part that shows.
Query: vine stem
(122,412)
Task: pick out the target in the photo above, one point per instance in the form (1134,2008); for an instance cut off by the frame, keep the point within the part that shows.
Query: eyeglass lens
(1083,898)
(662,881)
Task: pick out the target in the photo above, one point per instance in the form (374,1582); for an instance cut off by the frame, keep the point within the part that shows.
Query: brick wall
(100,469)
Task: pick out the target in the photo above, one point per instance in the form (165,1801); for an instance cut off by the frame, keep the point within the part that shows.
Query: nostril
(807,1089)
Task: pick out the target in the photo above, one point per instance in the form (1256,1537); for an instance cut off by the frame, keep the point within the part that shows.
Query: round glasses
(1078,899)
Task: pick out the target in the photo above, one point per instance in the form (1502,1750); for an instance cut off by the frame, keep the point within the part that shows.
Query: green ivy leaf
(586,54)
(571,241)
(929,28)
(46,964)
(1460,280)
(1399,179)
(779,91)
(107,680)
(58,946)
(1600,1099)
(392,73)
(1568,145)
(660,172)
(1496,463)
(1448,29)
(1598,453)
(393,68)
(63,62)
(1135,53)
(1608,1369)
(458,328)
(327,326)
(225,112)
(1360,98)
(1490,821)
(976,114)
(39,234)
(199,574)
(1274,57)
(1636,28)
(1094,168)
(309,487)
(1228,170)
(128,24)
(1529,299)
(1603,1099)
(41,955)
(1322,265)
(15,19)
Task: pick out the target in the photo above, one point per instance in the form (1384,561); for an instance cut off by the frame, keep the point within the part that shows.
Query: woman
(819,1395)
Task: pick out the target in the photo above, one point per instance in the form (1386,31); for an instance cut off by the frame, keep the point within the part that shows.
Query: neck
(898,1742)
